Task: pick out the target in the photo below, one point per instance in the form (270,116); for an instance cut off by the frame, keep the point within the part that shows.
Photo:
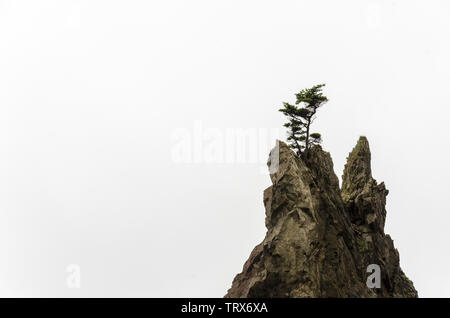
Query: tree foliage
(301,116)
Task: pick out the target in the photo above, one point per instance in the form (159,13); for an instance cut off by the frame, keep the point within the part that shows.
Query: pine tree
(301,117)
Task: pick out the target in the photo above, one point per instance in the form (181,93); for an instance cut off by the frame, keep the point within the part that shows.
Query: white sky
(92,94)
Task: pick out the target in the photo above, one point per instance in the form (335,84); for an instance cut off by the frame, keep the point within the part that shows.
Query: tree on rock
(301,117)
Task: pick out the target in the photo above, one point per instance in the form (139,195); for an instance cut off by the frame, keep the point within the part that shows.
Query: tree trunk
(307,131)
(307,136)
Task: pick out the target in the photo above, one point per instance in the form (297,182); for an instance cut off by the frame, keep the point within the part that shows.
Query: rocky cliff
(320,238)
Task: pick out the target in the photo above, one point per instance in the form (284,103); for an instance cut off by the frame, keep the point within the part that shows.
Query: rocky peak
(319,241)
(357,171)
(364,199)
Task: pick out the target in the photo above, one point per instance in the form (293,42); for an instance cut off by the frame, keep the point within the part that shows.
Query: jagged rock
(365,200)
(320,239)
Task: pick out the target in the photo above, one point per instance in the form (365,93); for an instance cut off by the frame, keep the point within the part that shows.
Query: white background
(91,93)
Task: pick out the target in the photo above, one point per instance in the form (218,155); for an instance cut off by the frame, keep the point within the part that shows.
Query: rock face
(321,239)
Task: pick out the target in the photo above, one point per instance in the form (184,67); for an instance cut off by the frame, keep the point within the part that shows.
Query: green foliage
(301,117)
(362,244)
(316,138)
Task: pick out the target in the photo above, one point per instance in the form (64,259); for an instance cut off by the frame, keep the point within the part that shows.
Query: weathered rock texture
(320,238)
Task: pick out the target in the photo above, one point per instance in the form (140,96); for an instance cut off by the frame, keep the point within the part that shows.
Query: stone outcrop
(321,239)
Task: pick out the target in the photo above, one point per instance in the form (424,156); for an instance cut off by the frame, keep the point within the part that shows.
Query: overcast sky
(114,117)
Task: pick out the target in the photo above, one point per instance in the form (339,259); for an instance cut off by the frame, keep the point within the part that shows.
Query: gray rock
(320,239)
